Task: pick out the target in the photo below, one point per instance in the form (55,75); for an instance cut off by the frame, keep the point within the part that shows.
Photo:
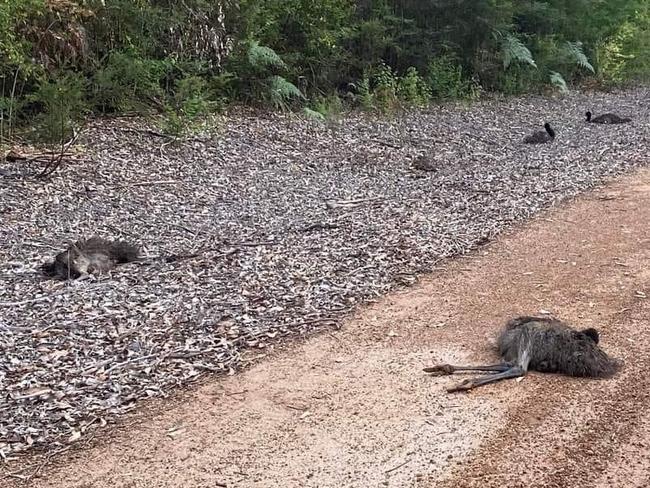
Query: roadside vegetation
(62,60)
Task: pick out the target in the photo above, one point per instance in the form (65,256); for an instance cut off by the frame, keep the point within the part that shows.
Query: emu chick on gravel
(540,344)
(541,137)
(94,255)
(607,119)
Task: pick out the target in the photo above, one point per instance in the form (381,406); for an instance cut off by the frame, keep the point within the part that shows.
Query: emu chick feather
(551,346)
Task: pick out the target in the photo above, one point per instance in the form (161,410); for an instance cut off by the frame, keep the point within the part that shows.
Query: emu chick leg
(512,372)
(450,369)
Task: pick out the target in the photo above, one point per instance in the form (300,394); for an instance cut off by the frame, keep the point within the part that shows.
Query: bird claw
(439,370)
(464,386)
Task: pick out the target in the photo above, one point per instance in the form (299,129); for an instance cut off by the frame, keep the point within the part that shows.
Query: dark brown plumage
(94,255)
(541,137)
(540,344)
(607,119)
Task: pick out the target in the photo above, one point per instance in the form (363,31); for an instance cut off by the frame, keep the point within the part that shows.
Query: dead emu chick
(94,255)
(540,344)
(607,119)
(541,137)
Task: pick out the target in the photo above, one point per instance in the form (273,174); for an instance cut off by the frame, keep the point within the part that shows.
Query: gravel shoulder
(351,408)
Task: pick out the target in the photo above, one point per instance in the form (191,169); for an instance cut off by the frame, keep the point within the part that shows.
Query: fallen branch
(56,161)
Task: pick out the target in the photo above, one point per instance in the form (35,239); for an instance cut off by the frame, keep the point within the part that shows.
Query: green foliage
(385,89)
(558,81)
(128,83)
(377,89)
(310,37)
(172,124)
(313,115)
(261,58)
(60,103)
(187,59)
(15,49)
(575,53)
(625,54)
(446,81)
(412,89)
(192,97)
(280,92)
(517,80)
(513,50)
(382,89)
(329,107)
(259,76)
(190,107)
(364,95)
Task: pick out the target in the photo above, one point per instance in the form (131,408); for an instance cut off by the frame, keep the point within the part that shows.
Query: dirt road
(353,409)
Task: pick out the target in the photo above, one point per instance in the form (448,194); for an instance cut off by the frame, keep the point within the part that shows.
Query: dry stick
(397,467)
(131,361)
(96,366)
(55,162)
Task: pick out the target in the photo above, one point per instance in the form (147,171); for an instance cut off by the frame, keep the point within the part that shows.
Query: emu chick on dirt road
(94,255)
(540,344)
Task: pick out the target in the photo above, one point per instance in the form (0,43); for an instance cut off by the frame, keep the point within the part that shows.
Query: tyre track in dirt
(353,409)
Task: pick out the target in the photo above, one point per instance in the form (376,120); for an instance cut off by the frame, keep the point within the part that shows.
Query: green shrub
(60,103)
(385,82)
(330,106)
(258,76)
(446,81)
(186,59)
(129,83)
(412,89)
(624,56)
(15,49)
(364,95)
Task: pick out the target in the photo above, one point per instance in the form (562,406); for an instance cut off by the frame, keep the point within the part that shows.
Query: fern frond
(313,114)
(282,91)
(513,50)
(558,81)
(263,56)
(574,51)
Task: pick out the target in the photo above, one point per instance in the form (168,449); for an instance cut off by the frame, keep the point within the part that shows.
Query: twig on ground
(397,467)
